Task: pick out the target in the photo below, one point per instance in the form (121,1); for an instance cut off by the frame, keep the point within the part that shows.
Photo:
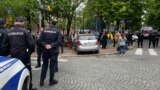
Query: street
(138,70)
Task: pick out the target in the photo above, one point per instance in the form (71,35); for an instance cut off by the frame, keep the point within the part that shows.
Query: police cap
(19,19)
(2,21)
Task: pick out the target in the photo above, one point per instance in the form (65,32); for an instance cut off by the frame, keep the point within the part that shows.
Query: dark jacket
(140,36)
(129,37)
(18,40)
(51,36)
(152,36)
(3,32)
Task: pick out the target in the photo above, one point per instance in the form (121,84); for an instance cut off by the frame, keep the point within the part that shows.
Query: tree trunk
(69,23)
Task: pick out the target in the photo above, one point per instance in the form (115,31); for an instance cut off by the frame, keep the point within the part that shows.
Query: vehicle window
(87,37)
(145,31)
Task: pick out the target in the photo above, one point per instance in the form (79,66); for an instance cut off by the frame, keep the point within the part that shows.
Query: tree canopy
(108,12)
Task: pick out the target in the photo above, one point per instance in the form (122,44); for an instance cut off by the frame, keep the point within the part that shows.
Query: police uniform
(50,36)
(140,39)
(20,44)
(129,38)
(156,39)
(3,32)
(152,39)
(39,51)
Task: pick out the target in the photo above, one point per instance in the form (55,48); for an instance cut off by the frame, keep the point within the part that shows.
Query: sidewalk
(72,53)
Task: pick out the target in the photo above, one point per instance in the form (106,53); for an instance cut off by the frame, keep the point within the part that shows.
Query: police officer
(50,40)
(129,38)
(3,32)
(156,39)
(20,44)
(152,39)
(140,39)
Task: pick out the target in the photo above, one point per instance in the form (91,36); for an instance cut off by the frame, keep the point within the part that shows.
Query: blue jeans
(122,49)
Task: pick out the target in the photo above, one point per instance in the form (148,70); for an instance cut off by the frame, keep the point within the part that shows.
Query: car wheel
(78,52)
(26,84)
(97,51)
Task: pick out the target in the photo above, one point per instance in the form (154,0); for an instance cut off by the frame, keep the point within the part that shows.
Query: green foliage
(114,10)
(153,15)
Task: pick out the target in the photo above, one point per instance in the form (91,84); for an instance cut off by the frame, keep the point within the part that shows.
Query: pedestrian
(3,32)
(100,37)
(62,43)
(20,44)
(122,44)
(109,38)
(104,40)
(152,39)
(70,40)
(156,39)
(115,38)
(49,39)
(38,48)
(129,38)
(140,39)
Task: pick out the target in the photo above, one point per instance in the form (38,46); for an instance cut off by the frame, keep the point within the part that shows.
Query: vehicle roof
(146,28)
(2,59)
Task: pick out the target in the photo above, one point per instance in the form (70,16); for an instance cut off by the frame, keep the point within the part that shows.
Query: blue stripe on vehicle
(12,84)
(6,66)
(2,59)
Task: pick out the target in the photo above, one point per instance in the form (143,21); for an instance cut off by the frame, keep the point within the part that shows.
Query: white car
(134,37)
(13,74)
(86,43)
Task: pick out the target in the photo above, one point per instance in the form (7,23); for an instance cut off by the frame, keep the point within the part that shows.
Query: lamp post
(40,14)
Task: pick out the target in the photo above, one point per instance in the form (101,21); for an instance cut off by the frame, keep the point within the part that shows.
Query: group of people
(19,43)
(121,40)
(153,38)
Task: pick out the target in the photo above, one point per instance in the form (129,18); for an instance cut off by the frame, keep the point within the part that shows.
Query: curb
(110,53)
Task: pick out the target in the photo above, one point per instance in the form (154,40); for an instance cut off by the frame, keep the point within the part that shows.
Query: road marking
(62,60)
(138,51)
(34,60)
(152,52)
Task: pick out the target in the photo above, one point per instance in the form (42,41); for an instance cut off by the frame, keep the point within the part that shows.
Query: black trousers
(114,43)
(61,48)
(39,56)
(153,43)
(130,42)
(48,56)
(25,58)
(56,65)
(156,42)
(140,42)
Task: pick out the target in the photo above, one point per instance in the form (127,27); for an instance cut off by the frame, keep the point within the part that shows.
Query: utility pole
(40,14)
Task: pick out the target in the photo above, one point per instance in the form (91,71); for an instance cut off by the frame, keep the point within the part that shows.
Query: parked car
(134,37)
(86,43)
(13,74)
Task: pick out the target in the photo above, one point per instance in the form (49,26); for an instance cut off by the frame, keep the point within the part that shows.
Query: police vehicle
(13,74)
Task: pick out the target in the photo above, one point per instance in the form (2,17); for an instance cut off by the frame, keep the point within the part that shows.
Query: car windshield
(145,31)
(87,37)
